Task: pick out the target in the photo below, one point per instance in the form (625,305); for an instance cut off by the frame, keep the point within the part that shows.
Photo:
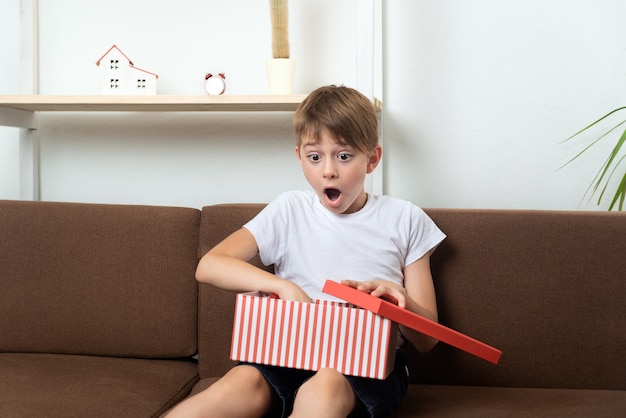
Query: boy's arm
(417,295)
(420,299)
(226,266)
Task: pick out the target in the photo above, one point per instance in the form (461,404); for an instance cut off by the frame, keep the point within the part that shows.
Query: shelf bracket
(18,118)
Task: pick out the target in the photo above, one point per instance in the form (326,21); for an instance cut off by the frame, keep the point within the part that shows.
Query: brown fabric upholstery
(446,401)
(98,279)
(545,287)
(98,309)
(72,386)
(428,401)
(216,306)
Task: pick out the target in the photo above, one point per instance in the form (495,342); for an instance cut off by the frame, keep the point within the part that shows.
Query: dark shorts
(377,398)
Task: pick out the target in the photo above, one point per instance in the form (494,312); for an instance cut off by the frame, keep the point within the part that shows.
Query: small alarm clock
(215,85)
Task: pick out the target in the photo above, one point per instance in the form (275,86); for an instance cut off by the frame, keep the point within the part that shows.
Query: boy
(376,244)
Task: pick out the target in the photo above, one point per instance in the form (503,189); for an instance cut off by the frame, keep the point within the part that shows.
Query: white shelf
(18,110)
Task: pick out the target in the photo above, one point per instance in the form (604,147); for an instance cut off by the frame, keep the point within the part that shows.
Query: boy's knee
(330,374)
(248,376)
(328,381)
(242,391)
(328,393)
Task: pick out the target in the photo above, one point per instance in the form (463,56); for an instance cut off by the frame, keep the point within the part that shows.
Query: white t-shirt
(309,244)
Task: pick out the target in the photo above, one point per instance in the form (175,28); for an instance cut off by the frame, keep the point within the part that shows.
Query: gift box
(312,336)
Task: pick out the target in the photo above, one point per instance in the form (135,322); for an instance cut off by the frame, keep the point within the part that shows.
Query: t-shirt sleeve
(265,227)
(424,235)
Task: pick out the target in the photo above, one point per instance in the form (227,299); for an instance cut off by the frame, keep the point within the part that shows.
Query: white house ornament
(119,76)
(215,85)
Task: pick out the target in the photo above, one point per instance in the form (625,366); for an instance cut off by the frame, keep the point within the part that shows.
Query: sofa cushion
(216,307)
(545,287)
(111,280)
(427,401)
(52,385)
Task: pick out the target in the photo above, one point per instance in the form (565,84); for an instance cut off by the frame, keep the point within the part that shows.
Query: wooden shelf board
(158,103)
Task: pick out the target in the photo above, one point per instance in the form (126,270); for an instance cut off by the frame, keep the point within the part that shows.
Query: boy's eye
(344,156)
(314,157)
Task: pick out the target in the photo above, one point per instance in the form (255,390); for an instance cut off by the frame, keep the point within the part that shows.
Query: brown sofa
(100,315)
(98,309)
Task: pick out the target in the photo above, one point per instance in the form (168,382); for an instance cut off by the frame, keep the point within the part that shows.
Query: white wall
(477,95)
(9,84)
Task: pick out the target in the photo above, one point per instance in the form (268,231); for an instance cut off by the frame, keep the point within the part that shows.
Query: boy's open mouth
(332,194)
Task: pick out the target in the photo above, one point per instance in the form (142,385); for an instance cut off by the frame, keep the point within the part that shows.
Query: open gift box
(356,338)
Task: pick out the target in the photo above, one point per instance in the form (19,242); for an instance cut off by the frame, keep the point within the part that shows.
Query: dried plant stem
(280,28)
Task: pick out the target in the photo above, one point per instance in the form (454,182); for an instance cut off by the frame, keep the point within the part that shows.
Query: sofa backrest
(545,287)
(91,279)
(216,307)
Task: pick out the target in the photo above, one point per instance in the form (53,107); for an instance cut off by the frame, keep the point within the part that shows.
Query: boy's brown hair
(343,112)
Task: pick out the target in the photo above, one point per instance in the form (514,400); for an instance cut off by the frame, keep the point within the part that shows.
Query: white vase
(280,73)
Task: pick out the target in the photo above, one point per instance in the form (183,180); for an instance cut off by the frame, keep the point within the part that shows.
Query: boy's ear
(374,158)
(297,150)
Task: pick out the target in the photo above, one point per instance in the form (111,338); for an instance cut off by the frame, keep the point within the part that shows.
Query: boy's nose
(329,171)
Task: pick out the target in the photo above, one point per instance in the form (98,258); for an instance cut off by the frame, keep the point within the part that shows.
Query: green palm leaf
(610,166)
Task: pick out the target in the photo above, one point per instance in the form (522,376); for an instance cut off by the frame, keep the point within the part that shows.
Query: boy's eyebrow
(309,143)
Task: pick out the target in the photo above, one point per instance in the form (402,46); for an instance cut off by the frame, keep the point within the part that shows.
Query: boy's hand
(288,290)
(383,289)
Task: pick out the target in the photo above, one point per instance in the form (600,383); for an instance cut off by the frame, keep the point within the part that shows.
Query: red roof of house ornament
(120,51)
(130,62)
(144,71)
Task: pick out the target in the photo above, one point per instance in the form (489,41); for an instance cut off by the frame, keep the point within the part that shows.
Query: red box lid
(413,321)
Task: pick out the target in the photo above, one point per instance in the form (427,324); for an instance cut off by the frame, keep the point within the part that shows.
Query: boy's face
(337,172)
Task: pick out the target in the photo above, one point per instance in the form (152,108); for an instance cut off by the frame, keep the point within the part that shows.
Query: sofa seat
(426,401)
(44,385)
(478,401)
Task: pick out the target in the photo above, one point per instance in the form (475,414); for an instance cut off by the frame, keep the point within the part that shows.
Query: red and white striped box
(312,336)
